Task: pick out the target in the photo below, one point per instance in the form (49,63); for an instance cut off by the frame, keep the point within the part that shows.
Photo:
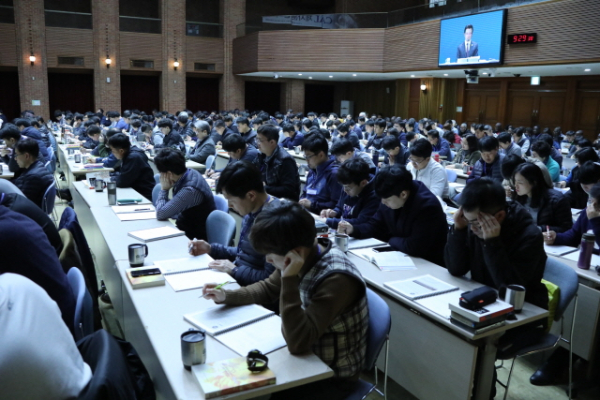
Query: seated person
(38,357)
(425,169)
(540,150)
(22,205)
(150,138)
(242,186)
(344,132)
(409,217)
(322,190)
(396,153)
(468,154)
(549,208)
(588,220)
(577,197)
(277,167)
(102,151)
(247,133)
(135,131)
(237,149)
(378,134)
(171,138)
(28,131)
(490,163)
(25,250)
(570,138)
(221,132)
(134,171)
(343,150)
(204,146)
(439,145)
(522,141)
(358,202)
(554,152)
(292,137)
(507,146)
(33,178)
(11,135)
(322,298)
(93,138)
(497,242)
(192,200)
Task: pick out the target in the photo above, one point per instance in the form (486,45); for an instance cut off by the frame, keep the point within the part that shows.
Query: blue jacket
(33,133)
(292,141)
(355,210)
(418,229)
(251,265)
(443,148)
(572,237)
(493,170)
(121,124)
(322,188)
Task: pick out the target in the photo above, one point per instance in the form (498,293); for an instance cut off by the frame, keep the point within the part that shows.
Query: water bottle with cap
(585,253)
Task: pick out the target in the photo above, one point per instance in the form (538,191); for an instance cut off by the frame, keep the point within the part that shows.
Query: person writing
(134,171)
(204,146)
(468,154)
(425,169)
(237,149)
(32,178)
(321,293)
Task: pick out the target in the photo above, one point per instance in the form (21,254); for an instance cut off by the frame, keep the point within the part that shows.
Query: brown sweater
(301,328)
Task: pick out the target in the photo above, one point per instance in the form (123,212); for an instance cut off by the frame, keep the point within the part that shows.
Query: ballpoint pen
(217,287)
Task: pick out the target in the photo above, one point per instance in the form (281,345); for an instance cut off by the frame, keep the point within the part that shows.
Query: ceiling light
(587,70)
(353,74)
(310,77)
(445,74)
(412,76)
(331,76)
(299,74)
(32,58)
(485,73)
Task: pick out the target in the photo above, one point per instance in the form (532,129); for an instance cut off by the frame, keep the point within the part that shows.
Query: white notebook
(191,272)
(149,235)
(558,250)
(420,287)
(137,216)
(134,208)
(242,328)
(386,260)
(362,243)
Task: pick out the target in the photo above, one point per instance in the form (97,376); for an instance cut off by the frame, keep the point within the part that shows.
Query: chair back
(566,279)
(157,178)
(49,198)
(221,204)
(380,323)
(51,164)
(452,155)
(155,193)
(209,162)
(83,304)
(451,175)
(220,228)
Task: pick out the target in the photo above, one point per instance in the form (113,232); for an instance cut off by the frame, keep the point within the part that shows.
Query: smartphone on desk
(145,272)
(382,249)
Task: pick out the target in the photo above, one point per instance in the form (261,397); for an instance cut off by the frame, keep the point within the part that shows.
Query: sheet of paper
(394,261)
(439,304)
(558,250)
(221,317)
(189,263)
(137,216)
(575,257)
(132,208)
(362,243)
(156,233)
(264,335)
(197,279)
(420,287)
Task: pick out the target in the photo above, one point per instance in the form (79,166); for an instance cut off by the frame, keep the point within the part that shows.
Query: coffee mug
(297,149)
(99,185)
(137,253)
(193,348)
(341,240)
(515,295)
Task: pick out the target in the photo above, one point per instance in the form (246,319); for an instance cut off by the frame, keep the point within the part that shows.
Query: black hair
(136,123)
(586,154)
(421,148)
(315,144)
(583,142)
(281,228)
(341,146)
(504,137)
(546,138)
(287,127)
(111,132)
(410,136)
(535,177)
(28,145)
(109,114)
(182,118)
(509,164)
(392,181)
(146,128)
(595,192)
(10,131)
(93,130)
(270,132)
(57,113)
(22,122)
(541,148)
(353,170)
(370,122)
(165,123)
(472,141)
(120,141)
(381,123)
(233,143)
(239,178)
(344,127)
(483,194)
(488,143)
(390,142)
(169,159)
(589,173)
(434,133)
(242,120)
(307,123)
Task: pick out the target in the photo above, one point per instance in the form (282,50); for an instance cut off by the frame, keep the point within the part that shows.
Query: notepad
(362,243)
(137,216)
(387,260)
(242,328)
(558,250)
(420,287)
(150,235)
(132,208)
(191,272)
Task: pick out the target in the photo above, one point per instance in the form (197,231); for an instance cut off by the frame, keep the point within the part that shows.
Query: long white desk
(73,170)
(152,318)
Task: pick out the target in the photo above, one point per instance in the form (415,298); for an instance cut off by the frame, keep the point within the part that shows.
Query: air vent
(142,64)
(70,61)
(204,67)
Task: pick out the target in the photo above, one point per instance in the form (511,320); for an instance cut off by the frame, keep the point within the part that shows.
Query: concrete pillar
(231,87)
(292,95)
(173,95)
(107,81)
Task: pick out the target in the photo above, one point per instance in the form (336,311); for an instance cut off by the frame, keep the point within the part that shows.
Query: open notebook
(420,287)
(242,328)
(149,235)
(191,272)
(386,260)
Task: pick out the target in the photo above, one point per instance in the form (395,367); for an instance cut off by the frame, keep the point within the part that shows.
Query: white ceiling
(541,70)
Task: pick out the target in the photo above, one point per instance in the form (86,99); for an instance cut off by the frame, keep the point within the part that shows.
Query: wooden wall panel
(69,42)
(140,46)
(8,45)
(411,47)
(204,50)
(245,54)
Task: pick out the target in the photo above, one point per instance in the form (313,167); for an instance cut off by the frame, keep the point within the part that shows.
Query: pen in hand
(191,246)
(216,287)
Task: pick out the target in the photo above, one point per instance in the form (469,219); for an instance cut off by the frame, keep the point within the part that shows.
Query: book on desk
(420,287)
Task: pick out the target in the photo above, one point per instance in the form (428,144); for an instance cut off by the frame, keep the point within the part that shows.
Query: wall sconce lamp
(423,88)
(176,64)
(32,59)
(108,61)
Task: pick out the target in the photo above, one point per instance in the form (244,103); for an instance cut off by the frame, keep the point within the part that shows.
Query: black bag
(478,298)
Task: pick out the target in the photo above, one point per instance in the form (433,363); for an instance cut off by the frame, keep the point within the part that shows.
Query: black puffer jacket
(34,181)
(554,211)
(280,173)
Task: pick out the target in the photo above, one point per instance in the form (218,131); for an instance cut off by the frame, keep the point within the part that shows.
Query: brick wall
(107,81)
(231,88)
(173,41)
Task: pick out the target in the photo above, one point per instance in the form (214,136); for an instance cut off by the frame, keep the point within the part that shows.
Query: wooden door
(472,112)
(490,109)
(587,114)
(549,111)
(521,106)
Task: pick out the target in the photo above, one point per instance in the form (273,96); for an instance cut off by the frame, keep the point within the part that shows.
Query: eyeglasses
(308,157)
(416,162)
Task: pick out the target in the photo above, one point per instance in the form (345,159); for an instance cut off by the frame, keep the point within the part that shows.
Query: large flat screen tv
(473,40)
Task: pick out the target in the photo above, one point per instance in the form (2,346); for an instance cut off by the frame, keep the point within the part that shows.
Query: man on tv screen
(468,48)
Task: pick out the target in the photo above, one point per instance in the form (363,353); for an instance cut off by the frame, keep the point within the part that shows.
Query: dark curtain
(263,96)
(9,101)
(73,92)
(202,94)
(140,92)
(319,98)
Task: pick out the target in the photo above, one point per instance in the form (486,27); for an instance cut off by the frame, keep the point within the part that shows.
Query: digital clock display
(520,38)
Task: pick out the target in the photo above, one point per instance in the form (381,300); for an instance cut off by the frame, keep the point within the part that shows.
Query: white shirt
(38,355)
(433,176)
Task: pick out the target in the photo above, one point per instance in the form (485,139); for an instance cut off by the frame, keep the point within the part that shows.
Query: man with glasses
(322,190)
(342,149)
(237,149)
(32,178)
(395,150)
(490,164)
(134,171)
(277,167)
(425,169)
(410,218)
